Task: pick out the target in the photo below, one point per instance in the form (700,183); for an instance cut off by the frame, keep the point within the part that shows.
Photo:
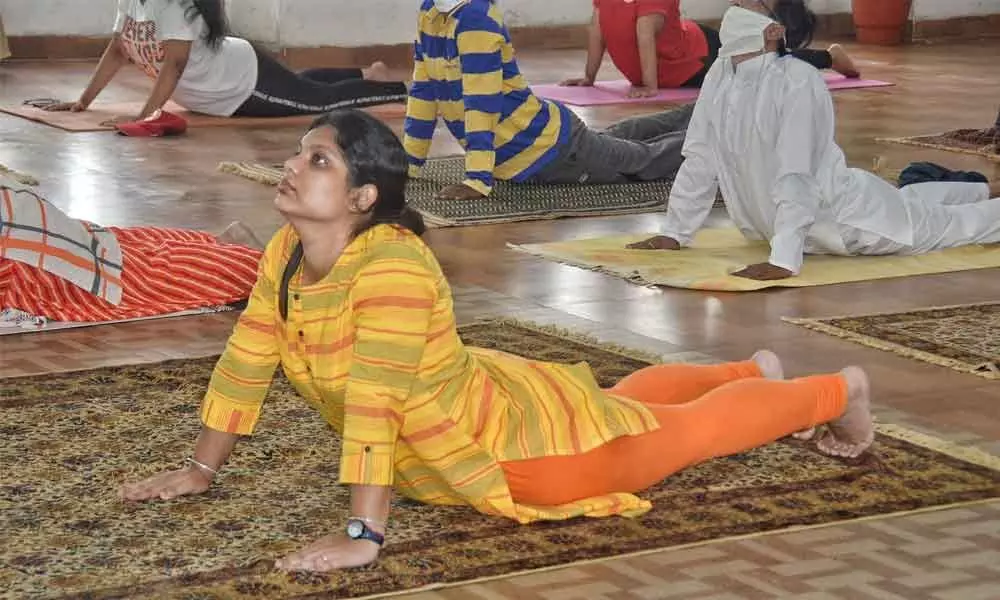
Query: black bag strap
(286,279)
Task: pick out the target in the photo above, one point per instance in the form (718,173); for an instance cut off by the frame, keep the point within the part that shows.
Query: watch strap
(367,533)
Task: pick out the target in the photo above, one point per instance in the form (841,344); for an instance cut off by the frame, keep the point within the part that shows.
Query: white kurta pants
(943,215)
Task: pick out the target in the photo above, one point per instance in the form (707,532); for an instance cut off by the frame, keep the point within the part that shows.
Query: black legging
(820,59)
(280,92)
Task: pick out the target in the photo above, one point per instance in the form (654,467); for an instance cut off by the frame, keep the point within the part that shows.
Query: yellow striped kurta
(374,348)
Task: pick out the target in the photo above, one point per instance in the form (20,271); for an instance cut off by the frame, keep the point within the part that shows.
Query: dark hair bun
(411,219)
(799,23)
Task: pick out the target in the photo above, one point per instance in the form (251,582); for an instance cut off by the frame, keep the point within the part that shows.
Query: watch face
(355,529)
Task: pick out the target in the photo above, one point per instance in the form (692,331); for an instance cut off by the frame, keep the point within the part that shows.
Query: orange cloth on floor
(164,271)
(704,411)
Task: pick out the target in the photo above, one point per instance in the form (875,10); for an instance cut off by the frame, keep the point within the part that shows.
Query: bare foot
(239,234)
(854,431)
(378,71)
(842,62)
(769,364)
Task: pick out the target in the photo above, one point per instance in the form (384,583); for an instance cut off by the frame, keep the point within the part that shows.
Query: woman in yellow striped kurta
(355,309)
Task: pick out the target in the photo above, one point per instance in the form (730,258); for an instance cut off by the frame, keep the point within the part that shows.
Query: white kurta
(763,132)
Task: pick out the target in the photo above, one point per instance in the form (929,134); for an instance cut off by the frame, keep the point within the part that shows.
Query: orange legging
(704,412)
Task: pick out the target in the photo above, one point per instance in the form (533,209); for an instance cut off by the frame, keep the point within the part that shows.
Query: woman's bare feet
(842,62)
(769,364)
(378,71)
(854,431)
(240,235)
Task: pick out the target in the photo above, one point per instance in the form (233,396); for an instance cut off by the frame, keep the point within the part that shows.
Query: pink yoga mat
(615,92)
(91,120)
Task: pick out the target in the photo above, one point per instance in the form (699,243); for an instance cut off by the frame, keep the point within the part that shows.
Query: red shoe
(158,124)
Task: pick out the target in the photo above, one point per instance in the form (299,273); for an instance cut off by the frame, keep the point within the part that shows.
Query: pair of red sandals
(159,124)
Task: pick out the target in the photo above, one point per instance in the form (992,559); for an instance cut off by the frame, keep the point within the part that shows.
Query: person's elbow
(176,55)
(177,63)
(595,27)
(116,49)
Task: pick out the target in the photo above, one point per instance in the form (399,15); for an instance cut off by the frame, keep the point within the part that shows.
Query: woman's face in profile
(316,186)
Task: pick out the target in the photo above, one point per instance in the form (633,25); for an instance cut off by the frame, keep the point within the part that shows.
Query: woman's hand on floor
(65,107)
(641,91)
(577,82)
(459,192)
(167,485)
(330,553)
(657,242)
(764,272)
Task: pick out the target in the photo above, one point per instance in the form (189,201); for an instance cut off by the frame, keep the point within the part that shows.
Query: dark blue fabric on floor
(922,172)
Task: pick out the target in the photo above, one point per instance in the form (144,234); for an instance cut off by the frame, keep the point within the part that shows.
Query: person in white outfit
(763,131)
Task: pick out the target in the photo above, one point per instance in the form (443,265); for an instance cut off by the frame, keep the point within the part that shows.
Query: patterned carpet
(965,338)
(508,203)
(981,142)
(69,441)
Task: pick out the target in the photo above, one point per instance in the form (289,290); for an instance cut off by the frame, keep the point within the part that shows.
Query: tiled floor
(944,555)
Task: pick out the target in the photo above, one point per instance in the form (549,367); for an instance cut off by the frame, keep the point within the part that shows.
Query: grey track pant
(645,148)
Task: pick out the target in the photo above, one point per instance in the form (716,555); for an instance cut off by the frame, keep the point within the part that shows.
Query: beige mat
(53,326)
(21,178)
(718,252)
(90,120)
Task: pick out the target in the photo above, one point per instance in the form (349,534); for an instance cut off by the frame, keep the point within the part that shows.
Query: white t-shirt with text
(214,82)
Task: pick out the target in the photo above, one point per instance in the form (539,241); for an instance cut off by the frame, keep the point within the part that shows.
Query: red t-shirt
(680,47)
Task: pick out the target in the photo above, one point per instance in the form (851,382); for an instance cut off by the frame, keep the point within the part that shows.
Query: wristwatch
(357,530)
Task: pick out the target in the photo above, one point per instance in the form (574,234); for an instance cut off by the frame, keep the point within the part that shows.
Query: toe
(805,434)
(828,444)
